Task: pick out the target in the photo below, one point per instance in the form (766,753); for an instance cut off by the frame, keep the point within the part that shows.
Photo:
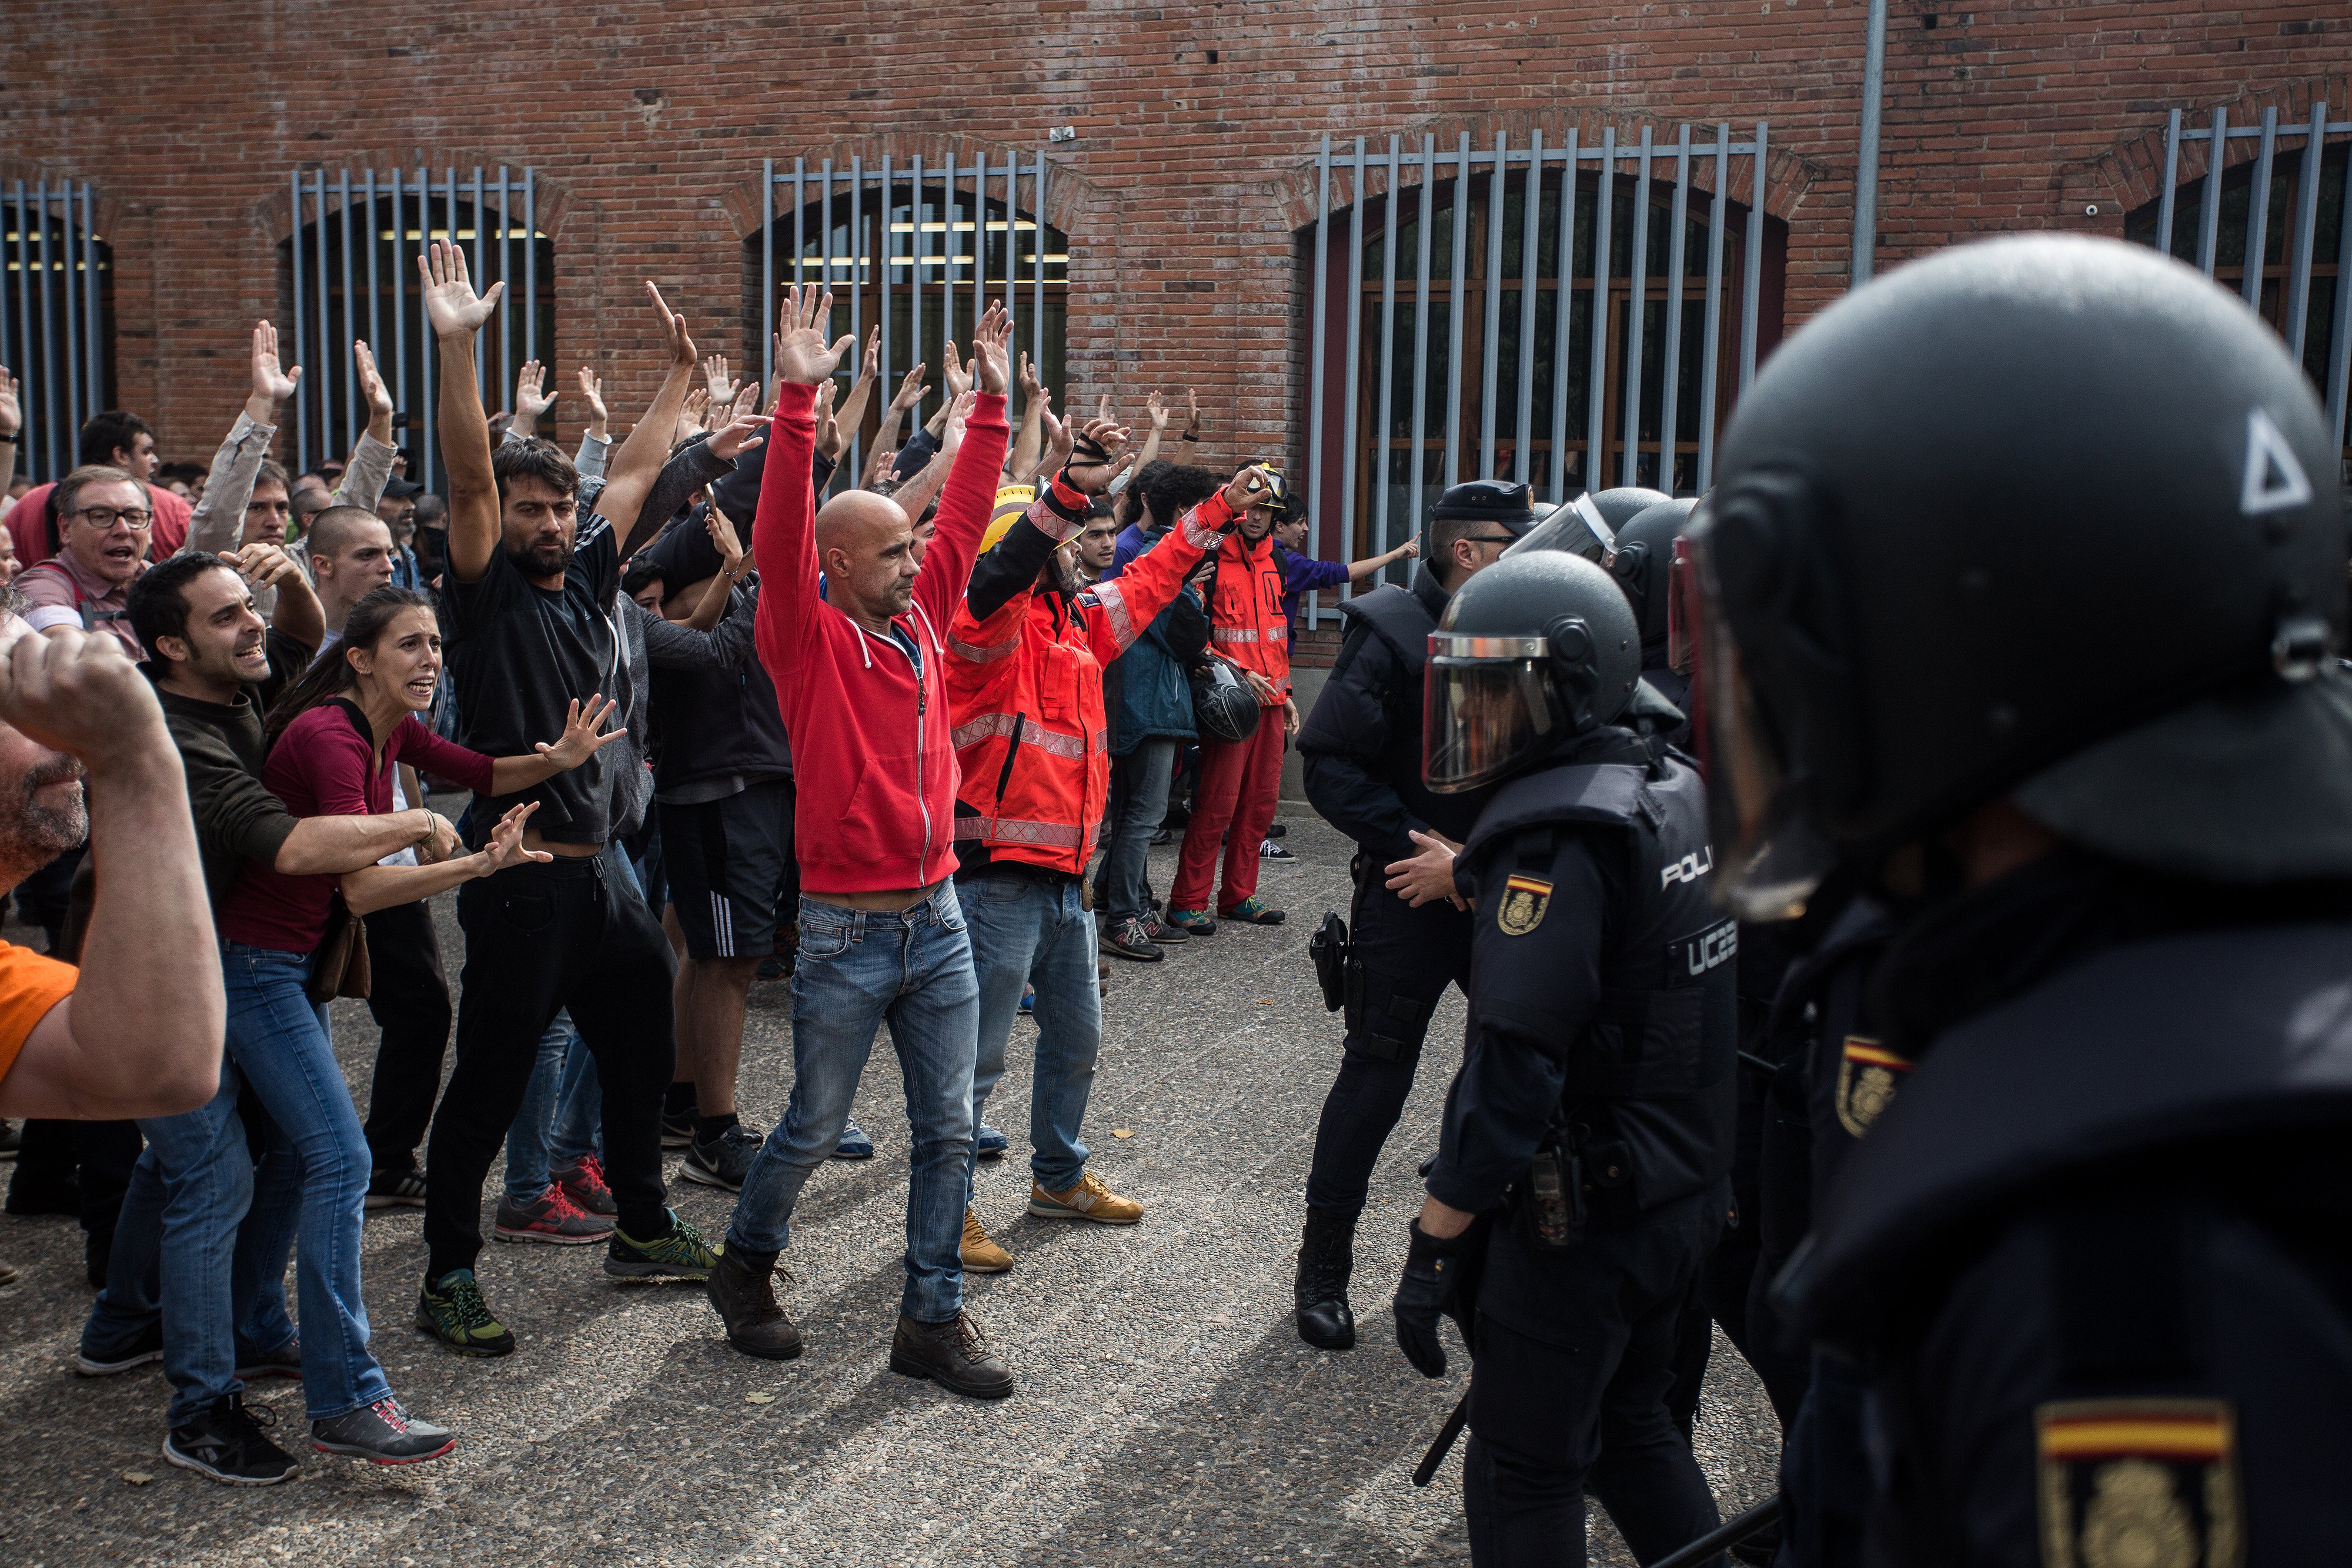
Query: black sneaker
(285,1361)
(678,1128)
(680,1255)
(1128,939)
(11,1139)
(383,1434)
(225,1443)
(725,1160)
(396,1189)
(1161,933)
(106,1362)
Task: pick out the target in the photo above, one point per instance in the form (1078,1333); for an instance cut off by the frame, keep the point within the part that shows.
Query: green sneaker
(681,1255)
(1192,922)
(1252,911)
(453,1311)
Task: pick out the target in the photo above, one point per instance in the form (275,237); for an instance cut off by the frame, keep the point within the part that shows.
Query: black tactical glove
(1433,1271)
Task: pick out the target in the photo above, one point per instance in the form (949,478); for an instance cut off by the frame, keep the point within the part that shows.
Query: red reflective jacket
(1245,620)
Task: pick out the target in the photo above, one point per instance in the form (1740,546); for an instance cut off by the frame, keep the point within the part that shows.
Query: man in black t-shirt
(529,591)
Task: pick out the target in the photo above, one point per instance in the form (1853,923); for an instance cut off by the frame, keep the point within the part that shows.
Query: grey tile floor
(1167,1412)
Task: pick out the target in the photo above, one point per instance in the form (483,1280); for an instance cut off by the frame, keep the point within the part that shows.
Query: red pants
(1240,781)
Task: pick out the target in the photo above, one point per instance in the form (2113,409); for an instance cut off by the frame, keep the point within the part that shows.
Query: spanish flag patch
(1868,1077)
(2151,1483)
(1525,899)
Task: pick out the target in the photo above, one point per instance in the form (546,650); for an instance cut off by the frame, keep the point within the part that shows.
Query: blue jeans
(278,1040)
(200,1211)
(859,969)
(1027,931)
(562,1113)
(1139,794)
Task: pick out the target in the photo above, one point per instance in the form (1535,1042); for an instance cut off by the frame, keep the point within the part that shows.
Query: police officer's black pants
(410,998)
(1408,956)
(1575,1356)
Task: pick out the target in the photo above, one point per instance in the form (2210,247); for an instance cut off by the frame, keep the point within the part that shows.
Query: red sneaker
(583,1182)
(551,1216)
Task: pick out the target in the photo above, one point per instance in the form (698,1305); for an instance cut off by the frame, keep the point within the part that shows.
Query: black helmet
(1223,706)
(1533,651)
(2049,518)
(1622,505)
(1644,560)
(1508,506)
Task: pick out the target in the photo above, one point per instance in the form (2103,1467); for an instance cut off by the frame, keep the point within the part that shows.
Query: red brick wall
(648,123)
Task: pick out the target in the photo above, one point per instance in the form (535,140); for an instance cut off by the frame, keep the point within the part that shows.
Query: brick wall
(1196,126)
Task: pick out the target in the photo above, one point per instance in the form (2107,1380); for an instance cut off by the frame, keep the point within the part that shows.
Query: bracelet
(1188,435)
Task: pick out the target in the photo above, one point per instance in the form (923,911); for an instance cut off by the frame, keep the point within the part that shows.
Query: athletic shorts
(727,862)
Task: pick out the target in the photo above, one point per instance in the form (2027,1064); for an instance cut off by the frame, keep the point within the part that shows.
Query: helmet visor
(1577,528)
(1488,706)
(1768,860)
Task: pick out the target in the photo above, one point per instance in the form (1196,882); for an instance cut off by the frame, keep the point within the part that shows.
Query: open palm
(450,302)
(801,352)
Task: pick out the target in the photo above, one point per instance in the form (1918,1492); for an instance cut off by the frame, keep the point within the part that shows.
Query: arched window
(917,249)
(1496,383)
(349,270)
(57,318)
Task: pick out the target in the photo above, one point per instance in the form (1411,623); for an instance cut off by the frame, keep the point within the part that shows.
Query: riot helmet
(1223,706)
(2049,518)
(1644,566)
(1534,651)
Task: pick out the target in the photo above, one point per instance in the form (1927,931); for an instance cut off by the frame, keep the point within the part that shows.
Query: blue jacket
(1154,696)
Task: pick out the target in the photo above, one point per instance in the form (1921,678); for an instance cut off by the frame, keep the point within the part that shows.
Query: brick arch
(1072,201)
(1787,178)
(272,215)
(2133,168)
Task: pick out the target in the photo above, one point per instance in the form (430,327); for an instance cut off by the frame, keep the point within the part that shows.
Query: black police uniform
(1362,750)
(1602,1025)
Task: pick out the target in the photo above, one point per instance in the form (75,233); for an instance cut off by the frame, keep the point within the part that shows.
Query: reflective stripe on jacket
(1246,624)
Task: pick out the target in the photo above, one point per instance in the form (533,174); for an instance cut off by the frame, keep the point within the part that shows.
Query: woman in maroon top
(335,737)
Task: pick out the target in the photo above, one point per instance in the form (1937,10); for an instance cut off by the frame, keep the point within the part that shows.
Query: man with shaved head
(861,676)
(351,557)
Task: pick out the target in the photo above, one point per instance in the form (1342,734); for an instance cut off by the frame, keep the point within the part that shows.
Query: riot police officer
(1361,747)
(2023,582)
(1586,1138)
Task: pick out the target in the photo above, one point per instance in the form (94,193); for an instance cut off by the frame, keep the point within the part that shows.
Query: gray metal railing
(954,201)
(56,318)
(350,284)
(2276,249)
(1615,371)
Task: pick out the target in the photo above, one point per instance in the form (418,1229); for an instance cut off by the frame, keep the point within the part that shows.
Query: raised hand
(715,371)
(531,398)
(1157,409)
(1409,548)
(74,692)
(1030,385)
(912,391)
(690,418)
(723,537)
(504,846)
(12,411)
(959,412)
(1059,436)
(1252,486)
(580,740)
(450,303)
(871,365)
(681,343)
(992,361)
(1192,414)
(262,564)
(802,354)
(272,384)
(953,370)
(592,391)
(829,441)
(747,401)
(371,386)
(1090,474)
(739,436)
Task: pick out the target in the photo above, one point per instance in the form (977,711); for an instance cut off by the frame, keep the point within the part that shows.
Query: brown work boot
(980,1255)
(953,1354)
(1087,1200)
(743,1288)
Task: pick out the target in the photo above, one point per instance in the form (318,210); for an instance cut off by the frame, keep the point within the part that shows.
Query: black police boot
(1327,1255)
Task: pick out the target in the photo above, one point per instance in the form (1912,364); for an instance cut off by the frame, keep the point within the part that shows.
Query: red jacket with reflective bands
(1245,621)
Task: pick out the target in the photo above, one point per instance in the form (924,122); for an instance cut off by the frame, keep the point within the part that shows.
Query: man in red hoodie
(861,675)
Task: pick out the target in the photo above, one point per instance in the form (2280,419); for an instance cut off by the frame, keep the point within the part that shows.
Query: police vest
(2187,1040)
(1654,1068)
(1397,617)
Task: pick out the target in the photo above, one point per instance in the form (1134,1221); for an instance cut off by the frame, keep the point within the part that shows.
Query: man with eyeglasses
(103,520)
(1363,749)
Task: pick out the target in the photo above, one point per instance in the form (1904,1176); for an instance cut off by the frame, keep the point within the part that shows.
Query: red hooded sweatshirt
(871,753)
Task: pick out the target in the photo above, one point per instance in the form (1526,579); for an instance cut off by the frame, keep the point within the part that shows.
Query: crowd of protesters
(986,648)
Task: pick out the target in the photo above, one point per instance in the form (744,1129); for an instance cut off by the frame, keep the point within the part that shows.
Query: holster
(1329,948)
(1547,1205)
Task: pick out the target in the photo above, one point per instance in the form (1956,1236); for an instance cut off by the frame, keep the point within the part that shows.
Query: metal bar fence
(56,318)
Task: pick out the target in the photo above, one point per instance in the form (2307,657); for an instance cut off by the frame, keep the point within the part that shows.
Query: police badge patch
(1866,1082)
(2140,1483)
(1525,899)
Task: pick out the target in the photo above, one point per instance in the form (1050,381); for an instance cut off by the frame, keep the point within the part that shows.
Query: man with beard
(530,594)
(199,1207)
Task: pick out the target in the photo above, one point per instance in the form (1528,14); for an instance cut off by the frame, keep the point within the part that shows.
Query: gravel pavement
(1167,1410)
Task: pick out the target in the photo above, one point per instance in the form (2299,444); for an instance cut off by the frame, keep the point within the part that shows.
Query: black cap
(1497,501)
(399,489)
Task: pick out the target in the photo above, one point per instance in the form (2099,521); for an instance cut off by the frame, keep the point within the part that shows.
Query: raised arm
(218,521)
(596,441)
(912,391)
(713,602)
(783,529)
(1154,579)
(638,462)
(141,1035)
(1360,569)
(369,469)
(457,313)
(1158,408)
(853,408)
(1022,466)
(971,490)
